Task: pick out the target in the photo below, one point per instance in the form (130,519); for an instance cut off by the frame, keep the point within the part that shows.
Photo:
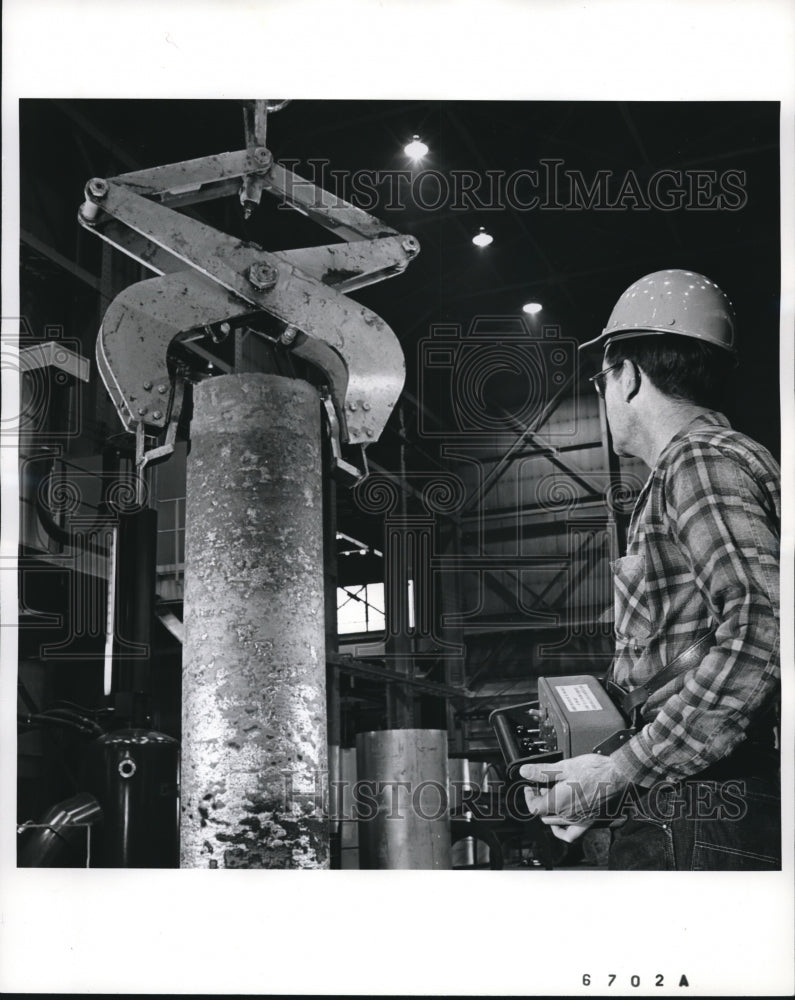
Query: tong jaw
(207,278)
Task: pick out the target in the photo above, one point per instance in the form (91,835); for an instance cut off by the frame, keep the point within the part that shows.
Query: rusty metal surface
(357,351)
(255,126)
(136,332)
(136,246)
(253,661)
(255,122)
(172,183)
(349,266)
(326,209)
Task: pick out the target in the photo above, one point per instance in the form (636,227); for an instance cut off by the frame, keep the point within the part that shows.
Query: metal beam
(408,490)
(63,262)
(539,513)
(490,659)
(574,557)
(362,668)
(217,362)
(502,591)
(500,468)
(97,134)
(551,453)
(533,452)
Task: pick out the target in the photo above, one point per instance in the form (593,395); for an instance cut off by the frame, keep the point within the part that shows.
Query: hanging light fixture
(482,239)
(416,149)
(532,308)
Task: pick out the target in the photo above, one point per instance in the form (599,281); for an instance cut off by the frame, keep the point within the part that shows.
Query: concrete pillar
(402,790)
(254,710)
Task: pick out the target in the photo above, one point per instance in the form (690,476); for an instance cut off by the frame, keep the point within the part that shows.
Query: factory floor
(504,847)
(517,849)
(580,866)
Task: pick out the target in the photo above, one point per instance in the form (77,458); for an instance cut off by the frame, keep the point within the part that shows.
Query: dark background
(575,262)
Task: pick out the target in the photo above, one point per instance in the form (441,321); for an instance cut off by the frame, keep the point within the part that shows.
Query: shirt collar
(712,418)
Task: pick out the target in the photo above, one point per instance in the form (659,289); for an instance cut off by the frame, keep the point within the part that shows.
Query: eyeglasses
(596,379)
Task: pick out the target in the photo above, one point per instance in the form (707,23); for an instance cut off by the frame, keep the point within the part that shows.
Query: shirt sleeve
(720,516)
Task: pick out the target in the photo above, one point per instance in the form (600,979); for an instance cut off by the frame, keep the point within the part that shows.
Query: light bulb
(482,239)
(415,149)
(532,308)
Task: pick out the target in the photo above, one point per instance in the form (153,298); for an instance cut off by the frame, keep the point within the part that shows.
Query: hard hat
(680,302)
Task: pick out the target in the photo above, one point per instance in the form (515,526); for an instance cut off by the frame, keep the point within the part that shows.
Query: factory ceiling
(580,198)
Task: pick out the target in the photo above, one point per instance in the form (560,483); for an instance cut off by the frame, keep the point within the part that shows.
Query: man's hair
(679,367)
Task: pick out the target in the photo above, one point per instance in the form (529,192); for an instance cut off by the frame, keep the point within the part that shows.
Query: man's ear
(630,380)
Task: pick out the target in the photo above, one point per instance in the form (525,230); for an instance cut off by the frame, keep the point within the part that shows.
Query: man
(697,787)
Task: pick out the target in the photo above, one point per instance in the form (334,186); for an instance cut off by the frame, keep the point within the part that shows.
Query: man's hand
(563,830)
(575,789)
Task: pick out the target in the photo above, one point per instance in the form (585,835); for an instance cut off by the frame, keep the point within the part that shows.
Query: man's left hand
(575,789)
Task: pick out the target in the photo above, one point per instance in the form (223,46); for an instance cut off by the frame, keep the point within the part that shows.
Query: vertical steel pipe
(402,790)
(254,711)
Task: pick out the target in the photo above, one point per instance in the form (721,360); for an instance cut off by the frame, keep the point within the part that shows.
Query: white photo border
(65,931)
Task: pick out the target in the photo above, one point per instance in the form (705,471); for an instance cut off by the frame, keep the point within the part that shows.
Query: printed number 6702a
(634,980)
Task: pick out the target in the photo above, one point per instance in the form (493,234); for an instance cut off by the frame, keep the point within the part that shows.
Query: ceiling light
(415,149)
(482,239)
(532,308)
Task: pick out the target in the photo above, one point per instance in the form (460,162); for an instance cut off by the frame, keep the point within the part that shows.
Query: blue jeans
(727,818)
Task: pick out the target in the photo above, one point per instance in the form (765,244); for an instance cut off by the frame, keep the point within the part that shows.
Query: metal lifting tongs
(210,281)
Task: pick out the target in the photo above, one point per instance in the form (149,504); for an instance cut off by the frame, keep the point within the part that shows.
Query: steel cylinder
(254,710)
(402,799)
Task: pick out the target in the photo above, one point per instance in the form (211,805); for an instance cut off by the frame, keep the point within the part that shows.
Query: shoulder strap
(636,698)
(691,657)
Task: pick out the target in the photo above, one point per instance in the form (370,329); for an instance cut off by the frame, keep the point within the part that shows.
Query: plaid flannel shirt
(703,551)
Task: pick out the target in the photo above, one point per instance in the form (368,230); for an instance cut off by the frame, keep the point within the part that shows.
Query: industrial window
(360,608)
